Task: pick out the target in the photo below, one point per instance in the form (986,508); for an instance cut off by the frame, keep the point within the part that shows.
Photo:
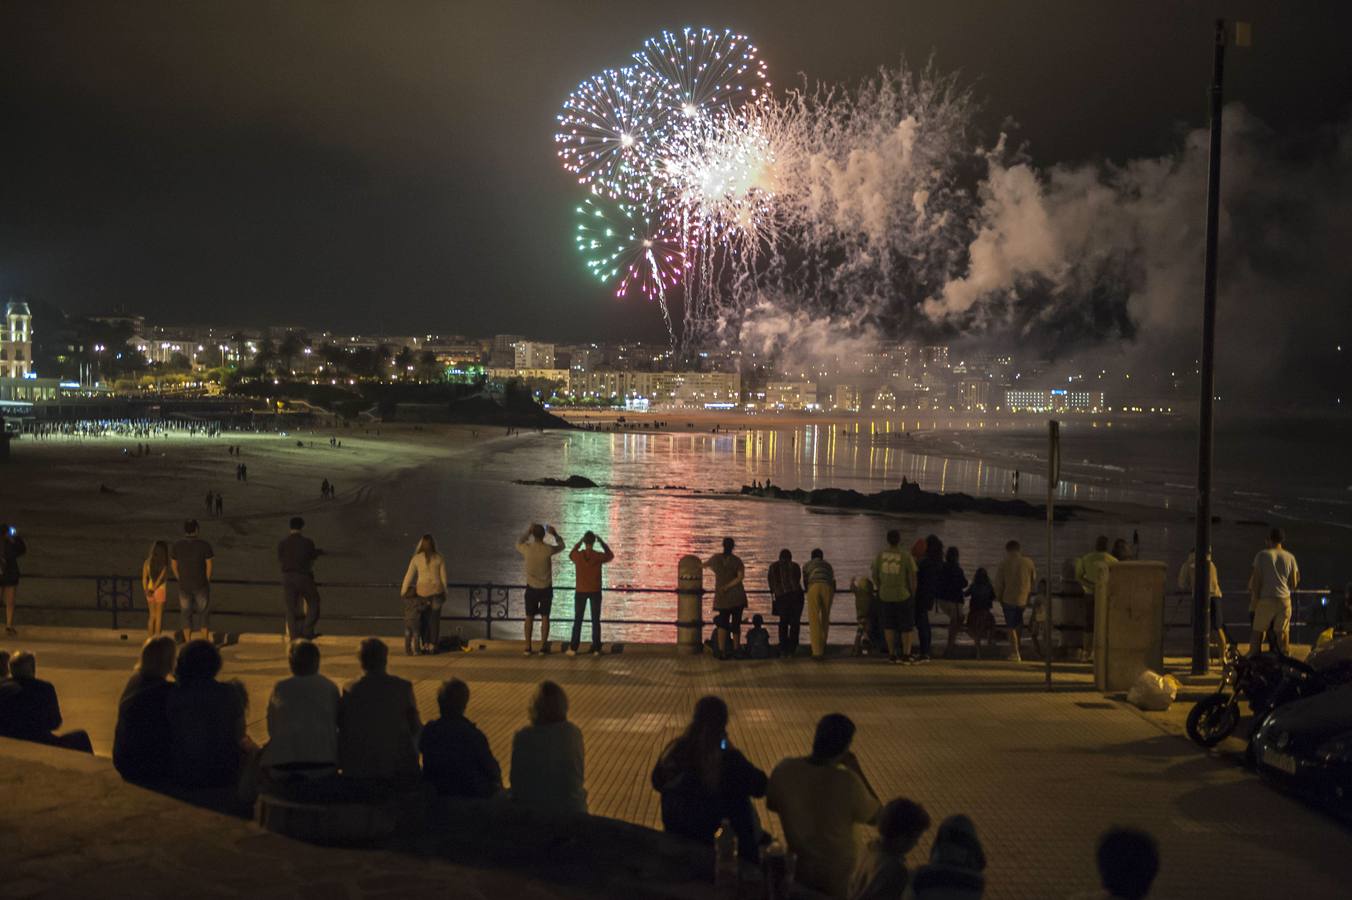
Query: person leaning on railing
(424,593)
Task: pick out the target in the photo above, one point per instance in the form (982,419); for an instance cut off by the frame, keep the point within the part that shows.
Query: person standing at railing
(296,554)
(1089,570)
(729,599)
(820,578)
(587,563)
(155,583)
(11,548)
(424,593)
(539,559)
(1186,579)
(1014,580)
(1275,575)
(191,559)
(894,578)
(786,586)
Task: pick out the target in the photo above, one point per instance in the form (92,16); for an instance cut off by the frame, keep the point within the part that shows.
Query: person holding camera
(588,562)
(539,559)
(11,548)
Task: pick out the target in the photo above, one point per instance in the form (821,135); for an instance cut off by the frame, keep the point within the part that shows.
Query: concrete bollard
(689,587)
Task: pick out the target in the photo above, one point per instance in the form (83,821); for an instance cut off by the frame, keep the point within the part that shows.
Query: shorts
(539,601)
(729,619)
(952,610)
(194,604)
(897,615)
(1271,614)
(1218,616)
(1013,615)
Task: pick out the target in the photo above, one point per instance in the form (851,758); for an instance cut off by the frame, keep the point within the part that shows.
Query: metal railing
(488,602)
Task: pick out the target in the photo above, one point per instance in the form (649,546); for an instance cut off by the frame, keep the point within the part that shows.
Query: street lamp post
(1201,582)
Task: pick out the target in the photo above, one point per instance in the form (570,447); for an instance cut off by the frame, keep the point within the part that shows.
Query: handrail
(489,602)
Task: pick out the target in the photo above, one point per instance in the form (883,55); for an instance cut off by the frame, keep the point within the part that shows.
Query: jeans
(429,625)
(580,602)
(302,603)
(819,597)
(922,627)
(790,622)
(193,607)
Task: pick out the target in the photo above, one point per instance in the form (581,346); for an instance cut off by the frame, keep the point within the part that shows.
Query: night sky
(390,165)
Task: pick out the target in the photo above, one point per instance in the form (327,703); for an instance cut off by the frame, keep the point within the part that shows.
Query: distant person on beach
(1090,569)
(1016,481)
(956,866)
(208,742)
(1128,861)
(424,593)
(378,721)
(729,599)
(548,757)
(296,554)
(820,579)
(302,719)
(1187,575)
(141,740)
(928,584)
(820,800)
(758,639)
(952,587)
(882,873)
(324,489)
(980,618)
(1013,583)
(894,577)
(191,559)
(29,710)
(456,758)
(220,504)
(211,502)
(786,586)
(1275,575)
(539,559)
(703,779)
(587,563)
(12,547)
(155,584)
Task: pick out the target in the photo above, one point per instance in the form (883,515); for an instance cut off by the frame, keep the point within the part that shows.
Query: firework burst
(608,128)
(706,70)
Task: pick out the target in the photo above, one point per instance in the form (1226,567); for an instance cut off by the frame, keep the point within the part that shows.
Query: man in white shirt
(302,719)
(1275,575)
(539,557)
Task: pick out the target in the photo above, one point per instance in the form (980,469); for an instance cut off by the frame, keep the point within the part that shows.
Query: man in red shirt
(588,563)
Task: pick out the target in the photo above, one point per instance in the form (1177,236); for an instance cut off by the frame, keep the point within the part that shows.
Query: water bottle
(725,860)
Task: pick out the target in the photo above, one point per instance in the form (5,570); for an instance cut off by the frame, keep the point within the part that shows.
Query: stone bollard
(689,603)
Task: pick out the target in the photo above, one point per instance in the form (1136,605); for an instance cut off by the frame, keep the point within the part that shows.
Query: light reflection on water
(660,499)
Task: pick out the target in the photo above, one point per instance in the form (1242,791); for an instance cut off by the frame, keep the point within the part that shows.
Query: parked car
(1306,745)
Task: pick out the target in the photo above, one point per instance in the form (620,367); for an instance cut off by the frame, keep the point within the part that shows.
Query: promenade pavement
(1041,773)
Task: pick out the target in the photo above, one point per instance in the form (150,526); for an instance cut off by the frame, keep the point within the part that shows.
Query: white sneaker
(570,652)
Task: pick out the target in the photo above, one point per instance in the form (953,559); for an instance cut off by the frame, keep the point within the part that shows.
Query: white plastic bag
(1153,691)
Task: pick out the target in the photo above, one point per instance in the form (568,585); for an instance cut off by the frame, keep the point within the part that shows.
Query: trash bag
(1153,691)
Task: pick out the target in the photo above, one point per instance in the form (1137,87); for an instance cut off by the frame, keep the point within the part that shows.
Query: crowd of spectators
(187,735)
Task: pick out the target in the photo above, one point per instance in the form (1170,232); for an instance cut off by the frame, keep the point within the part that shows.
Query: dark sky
(390,164)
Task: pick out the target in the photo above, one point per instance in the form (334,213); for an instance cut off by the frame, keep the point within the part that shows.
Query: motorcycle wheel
(1212,720)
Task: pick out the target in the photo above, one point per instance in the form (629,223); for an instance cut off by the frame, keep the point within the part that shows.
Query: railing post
(690,589)
(488,612)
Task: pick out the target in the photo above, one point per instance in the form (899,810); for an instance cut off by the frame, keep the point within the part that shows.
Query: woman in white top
(424,592)
(548,767)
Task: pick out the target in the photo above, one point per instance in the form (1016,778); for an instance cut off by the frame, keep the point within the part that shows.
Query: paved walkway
(1042,774)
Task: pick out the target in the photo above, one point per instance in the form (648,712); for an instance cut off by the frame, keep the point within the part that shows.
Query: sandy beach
(54,492)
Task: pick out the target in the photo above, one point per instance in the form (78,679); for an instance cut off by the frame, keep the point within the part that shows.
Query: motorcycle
(1251,678)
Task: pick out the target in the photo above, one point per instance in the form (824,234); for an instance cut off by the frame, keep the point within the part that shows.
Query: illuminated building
(16,341)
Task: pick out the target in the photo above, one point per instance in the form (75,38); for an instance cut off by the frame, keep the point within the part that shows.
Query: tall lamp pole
(1201,582)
